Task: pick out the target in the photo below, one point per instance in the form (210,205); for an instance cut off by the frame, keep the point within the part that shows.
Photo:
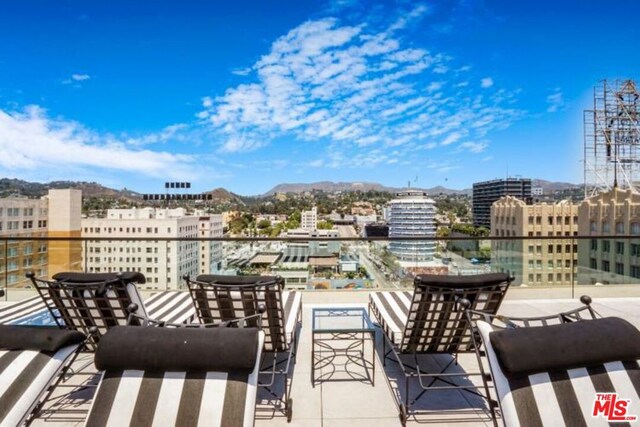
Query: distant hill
(330,187)
(550,187)
(18,187)
(222,195)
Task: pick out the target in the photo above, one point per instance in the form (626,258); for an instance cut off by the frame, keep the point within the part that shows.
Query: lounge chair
(32,362)
(221,298)
(103,300)
(177,376)
(429,320)
(548,370)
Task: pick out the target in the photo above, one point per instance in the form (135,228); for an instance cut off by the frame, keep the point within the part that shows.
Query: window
(593,263)
(550,220)
(13,212)
(635,228)
(530,249)
(550,249)
(620,248)
(606,228)
(594,245)
(567,220)
(635,271)
(619,268)
(550,263)
(606,246)
(635,249)
(619,228)
(530,220)
(538,220)
(13,225)
(592,227)
(605,265)
(550,277)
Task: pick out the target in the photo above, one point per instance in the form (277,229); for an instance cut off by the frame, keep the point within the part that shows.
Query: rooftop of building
(346,399)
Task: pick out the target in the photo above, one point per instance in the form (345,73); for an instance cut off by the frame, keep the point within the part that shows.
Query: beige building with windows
(614,258)
(535,262)
(54,215)
(163,262)
(309,219)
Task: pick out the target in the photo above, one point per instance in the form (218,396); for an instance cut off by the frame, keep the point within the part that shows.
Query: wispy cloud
(353,86)
(241,71)
(76,78)
(30,140)
(555,101)
(487,82)
(473,147)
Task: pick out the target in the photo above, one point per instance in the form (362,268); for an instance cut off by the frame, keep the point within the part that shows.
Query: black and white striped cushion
(21,310)
(391,309)
(24,377)
(140,398)
(563,397)
(279,321)
(170,307)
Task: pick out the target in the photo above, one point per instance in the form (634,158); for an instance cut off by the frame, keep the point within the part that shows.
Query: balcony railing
(542,265)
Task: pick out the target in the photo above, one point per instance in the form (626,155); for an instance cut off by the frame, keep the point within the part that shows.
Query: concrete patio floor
(344,401)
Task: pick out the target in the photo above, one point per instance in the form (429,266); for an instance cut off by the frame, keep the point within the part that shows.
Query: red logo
(612,408)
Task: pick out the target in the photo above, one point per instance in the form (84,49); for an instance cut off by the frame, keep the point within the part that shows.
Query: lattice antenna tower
(612,138)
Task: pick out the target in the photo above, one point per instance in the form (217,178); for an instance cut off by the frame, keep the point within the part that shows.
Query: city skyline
(251,95)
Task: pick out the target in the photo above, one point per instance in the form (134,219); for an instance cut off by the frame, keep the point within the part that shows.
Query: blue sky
(248,94)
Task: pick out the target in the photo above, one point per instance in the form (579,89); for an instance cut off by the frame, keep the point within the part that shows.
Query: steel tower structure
(612,138)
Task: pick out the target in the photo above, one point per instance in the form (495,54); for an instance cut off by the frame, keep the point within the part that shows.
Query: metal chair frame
(218,302)
(100,305)
(437,324)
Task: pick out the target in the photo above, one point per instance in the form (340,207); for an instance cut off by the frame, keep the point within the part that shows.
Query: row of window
(25,211)
(550,277)
(568,263)
(619,246)
(606,266)
(606,228)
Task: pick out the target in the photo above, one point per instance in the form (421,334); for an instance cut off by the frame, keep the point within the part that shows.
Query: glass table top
(341,319)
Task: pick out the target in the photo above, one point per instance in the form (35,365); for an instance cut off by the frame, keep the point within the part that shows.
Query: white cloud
(241,71)
(30,140)
(473,147)
(80,77)
(555,101)
(76,79)
(487,82)
(350,86)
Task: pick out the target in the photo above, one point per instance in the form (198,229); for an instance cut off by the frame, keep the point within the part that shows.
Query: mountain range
(16,187)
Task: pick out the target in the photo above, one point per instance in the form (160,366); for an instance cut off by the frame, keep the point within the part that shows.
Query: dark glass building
(487,192)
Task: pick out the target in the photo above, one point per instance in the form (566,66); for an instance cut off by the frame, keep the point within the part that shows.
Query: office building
(487,192)
(309,219)
(54,215)
(607,258)
(412,214)
(163,262)
(532,261)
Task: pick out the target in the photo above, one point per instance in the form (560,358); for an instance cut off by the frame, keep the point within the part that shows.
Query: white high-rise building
(412,214)
(163,262)
(309,219)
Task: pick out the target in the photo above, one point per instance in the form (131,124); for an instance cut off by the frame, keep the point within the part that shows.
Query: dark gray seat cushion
(461,282)
(178,349)
(219,279)
(40,338)
(75,277)
(566,346)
